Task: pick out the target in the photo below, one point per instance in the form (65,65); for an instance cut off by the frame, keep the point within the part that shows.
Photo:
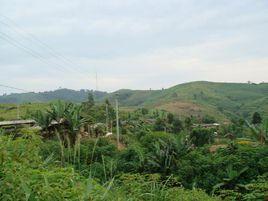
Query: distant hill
(221,100)
(41,97)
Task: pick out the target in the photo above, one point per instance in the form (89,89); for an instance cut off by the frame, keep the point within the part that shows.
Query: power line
(29,51)
(19,89)
(29,39)
(11,87)
(32,38)
(32,52)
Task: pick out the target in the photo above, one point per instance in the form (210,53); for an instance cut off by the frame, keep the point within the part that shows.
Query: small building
(17,123)
(214,125)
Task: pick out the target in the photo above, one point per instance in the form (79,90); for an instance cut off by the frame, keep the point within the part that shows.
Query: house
(214,125)
(17,123)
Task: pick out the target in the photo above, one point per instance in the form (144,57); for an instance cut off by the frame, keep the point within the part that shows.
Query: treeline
(48,96)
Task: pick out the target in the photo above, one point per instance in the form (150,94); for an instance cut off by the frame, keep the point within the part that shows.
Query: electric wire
(31,38)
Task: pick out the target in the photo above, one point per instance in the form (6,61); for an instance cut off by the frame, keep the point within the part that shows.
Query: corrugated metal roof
(16,122)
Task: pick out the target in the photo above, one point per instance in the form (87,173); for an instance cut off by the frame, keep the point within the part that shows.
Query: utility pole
(18,111)
(117,121)
(107,118)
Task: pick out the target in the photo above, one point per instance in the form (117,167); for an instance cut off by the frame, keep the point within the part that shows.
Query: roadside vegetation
(161,156)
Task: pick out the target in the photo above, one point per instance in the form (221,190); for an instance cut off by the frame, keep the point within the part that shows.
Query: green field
(12,111)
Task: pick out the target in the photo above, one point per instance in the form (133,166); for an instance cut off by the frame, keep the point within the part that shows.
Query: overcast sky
(137,44)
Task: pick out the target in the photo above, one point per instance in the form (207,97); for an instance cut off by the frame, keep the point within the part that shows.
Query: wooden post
(117,123)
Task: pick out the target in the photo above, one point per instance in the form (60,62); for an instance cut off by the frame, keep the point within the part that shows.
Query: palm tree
(74,121)
(231,181)
(259,132)
(166,154)
(58,110)
(67,118)
(43,119)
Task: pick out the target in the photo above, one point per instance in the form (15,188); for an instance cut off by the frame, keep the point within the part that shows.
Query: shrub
(202,136)
(131,159)
(24,175)
(151,187)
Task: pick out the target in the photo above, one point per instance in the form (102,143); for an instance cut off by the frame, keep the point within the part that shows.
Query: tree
(43,119)
(201,136)
(162,152)
(90,99)
(188,123)
(58,110)
(260,132)
(177,125)
(232,179)
(160,124)
(170,118)
(89,103)
(74,122)
(68,119)
(256,118)
(144,111)
(208,119)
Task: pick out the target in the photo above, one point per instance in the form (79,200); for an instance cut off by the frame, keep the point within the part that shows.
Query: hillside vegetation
(48,96)
(68,155)
(221,100)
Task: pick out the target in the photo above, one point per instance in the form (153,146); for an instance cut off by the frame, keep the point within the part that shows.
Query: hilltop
(199,98)
(222,100)
(48,96)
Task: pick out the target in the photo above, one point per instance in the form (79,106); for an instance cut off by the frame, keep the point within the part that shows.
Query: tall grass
(61,144)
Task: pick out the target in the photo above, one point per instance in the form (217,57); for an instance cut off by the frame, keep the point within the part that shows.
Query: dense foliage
(160,156)
(220,101)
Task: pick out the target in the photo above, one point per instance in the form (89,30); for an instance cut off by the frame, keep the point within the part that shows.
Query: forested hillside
(48,96)
(221,100)
(201,98)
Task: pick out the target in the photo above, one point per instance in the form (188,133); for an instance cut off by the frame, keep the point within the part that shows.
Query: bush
(208,119)
(162,152)
(25,176)
(151,187)
(204,170)
(131,159)
(202,136)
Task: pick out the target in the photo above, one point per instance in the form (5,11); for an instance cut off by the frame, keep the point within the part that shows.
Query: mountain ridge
(219,99)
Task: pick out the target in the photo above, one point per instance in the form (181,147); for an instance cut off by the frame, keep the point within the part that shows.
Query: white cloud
(136,44)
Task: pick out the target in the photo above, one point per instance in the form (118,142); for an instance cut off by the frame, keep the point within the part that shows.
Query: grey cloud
(183,39)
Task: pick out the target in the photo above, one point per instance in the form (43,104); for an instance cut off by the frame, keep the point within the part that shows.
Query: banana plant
(59,110)
(260,132)
(74,121)
(231,181)
(42,118)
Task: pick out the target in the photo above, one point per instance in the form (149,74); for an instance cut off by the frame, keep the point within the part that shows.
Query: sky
(135,44)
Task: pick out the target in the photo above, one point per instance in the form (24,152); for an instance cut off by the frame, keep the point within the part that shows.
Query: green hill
(221,100)
(43,97)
